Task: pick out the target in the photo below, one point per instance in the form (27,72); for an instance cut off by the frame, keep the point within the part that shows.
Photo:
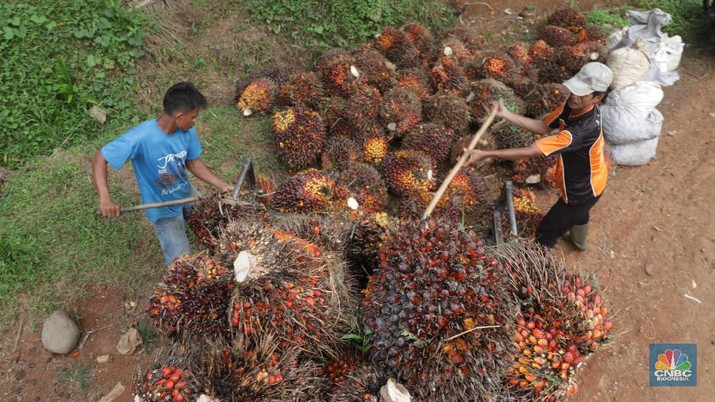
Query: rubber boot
(578,236)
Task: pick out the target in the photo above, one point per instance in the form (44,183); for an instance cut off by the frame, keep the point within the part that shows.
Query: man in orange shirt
(581,170)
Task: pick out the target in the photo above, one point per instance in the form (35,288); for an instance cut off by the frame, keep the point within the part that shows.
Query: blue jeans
(172,235)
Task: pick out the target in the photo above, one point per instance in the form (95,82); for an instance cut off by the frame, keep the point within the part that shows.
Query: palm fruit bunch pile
(372,68)
(367,237)
(434,140)
(416,80)
(211,213)
(259,96)
(303,88)
(527,213)
(449,77)
(401,111)
(423,40)
(299,135)
(434,286)
(340,153)
(406,171)
(165,383)
(451,111)
(362,385)
(193,299)
(545,99)
(488,91)
(459,197)
(397,47)
(309,191)
(562,321)
(363,184)
(533,170)
(337,71)
(363,107)
(510,136)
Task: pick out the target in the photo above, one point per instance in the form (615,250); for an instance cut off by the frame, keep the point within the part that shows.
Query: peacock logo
(672,359)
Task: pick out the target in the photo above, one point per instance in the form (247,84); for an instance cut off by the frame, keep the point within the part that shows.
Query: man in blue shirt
(161,150)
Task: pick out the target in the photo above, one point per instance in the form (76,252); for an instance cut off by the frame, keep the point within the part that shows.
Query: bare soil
(652,242)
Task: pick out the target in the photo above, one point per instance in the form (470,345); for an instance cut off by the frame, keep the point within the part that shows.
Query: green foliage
(615,18)
(77,375)
(689,19)
(60,59)
(149,334)
(340,23)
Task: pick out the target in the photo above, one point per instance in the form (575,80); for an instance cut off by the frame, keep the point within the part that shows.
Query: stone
(129,342)
(394,392)
(99,114)
(649,269)
(102,359)
(59,333)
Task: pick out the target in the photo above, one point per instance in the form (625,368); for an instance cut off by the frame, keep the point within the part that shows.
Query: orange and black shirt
(581,171)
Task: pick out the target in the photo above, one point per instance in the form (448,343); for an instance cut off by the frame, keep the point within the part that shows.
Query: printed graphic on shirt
(171,168)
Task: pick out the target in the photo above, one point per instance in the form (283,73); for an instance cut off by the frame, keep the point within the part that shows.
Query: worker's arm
(533,125)
(107,207)
(200,170)
(508,154)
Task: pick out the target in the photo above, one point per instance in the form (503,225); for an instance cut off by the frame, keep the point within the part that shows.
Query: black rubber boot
(578,236)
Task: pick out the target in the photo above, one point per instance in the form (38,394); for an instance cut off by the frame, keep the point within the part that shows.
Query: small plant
(148,333)
(360,339)
(78,376)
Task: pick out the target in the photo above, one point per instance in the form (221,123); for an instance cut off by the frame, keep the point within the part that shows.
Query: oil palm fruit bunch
(400,111)
(334,68)
(527,213)
(591,33)
(451,111)
(211,213)
(363,107)
(325,232)
(453,48)
(497,65)
(366,239)
(340,367)
(396,46)
(256,369)
(277,74)
(488,91)
(165,383)
(361,385)
(553,72)
(469,37)
(414,204)
(533,170)
(511,136)
(567,18)
(519,52)
(335,119)
(304,88)
(434,140)
(434,282)
(372,68)
(545,99)
(423,40)
(259,96)
(299,136)
(557,37)
(416,80)
(342,152)
(264,189)
(576,56)
(364,185)
(308,191)
(374,148)
(193,300)
(405,171)
(448,77)
(541,53)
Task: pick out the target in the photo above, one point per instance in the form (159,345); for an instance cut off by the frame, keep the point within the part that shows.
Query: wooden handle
(459,164)
(156,205)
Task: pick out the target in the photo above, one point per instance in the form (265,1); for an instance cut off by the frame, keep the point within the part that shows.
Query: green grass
(608,18)
(688,18)
(77,376)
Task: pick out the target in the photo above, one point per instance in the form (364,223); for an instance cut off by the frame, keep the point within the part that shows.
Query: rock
(394,392)
(59,333)
(649,269)
(102,359)
(115,393)
(129,342)
(99,114)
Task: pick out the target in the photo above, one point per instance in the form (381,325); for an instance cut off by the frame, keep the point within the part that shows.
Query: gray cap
(593,77)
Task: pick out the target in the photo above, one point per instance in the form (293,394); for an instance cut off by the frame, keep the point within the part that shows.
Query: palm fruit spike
(396,46)
(527,213)
(591,33)
(456,50)
(374,148)
(334,117)
(258,97)
(562,321)
(258,370)
(371,65)
(165,383)
(432,139)
(497,65)
(553,72)
(193,301)
(541,52)
(334,69)
(567,18)
(365,185)
(303,88)
(448,77)
(406,171)
(545,99)
(363,108)
(210,214)
(557,36)
(435,282)
(400,112)
(277,74)
(521,85)
(449,110)
(488,91)
(299,136)
(342,152)
(363,384)
(325,232)
(264,189)
(422,38)
(511,136)
(575,57)
(309,191)
(416,80)
(469,37)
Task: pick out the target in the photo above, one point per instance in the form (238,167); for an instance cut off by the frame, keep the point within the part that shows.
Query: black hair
(598,93)
(183,97)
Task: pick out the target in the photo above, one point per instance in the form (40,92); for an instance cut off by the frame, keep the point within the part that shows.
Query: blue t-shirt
(159,162)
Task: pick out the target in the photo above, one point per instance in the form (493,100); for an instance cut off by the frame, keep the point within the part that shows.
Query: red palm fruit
(416,80)
(396,46)
(567,18)
(448,77)
(449,110)
(400,112)
(557,36)
(406,171)
(259,96)
(309,191)
(303,88)
(299,136)
(335,72)
(575,57)
(422,38)
(541,52)
(342,152)
(432,139)
(591,33)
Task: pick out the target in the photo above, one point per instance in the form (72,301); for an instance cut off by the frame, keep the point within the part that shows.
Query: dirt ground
(652,242)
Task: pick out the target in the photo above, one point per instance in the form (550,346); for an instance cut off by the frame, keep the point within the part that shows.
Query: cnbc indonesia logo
(673,367)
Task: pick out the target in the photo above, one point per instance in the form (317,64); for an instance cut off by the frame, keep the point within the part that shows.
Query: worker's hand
(109,209)
(500,109)
(227,188)
(475,156)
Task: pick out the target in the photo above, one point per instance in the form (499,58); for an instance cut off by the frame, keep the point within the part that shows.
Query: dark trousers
(560,218)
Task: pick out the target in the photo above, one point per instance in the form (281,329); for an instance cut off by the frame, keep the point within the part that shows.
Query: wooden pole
(157,204)
(459,164)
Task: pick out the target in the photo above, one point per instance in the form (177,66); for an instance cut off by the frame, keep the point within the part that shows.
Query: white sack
(635,153)
(644,96)
(624,124)
(629,65)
